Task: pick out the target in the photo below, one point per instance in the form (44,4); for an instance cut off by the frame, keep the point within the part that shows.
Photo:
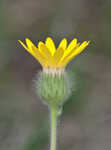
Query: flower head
(54,84)
(54,59)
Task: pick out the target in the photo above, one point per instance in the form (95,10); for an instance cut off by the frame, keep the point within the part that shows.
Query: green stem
(53,128)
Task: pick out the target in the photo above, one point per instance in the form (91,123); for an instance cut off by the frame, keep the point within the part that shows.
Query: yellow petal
(50,45)
(23,45)
(29,43)
(32,47)
(35,53)
(81,47)
(71,51)
(72,44)
(46,53)
(40,43)
(68,53)
(76,52)
(44,50)
(27,48)
(43,61)
(58,55)
(63,44)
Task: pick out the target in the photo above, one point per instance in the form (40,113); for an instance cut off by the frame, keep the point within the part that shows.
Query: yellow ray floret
(50,57)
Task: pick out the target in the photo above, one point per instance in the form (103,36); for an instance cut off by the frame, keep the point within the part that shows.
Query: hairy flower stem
(54,116)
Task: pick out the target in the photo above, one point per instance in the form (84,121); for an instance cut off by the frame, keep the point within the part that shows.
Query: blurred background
(86,120)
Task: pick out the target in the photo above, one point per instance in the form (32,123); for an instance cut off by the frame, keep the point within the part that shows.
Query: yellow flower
(50,57)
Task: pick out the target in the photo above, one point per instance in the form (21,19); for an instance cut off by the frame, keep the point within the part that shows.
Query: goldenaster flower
(54,86)
(51,58)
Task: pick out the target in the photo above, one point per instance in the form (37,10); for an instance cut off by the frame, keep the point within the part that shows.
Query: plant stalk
(53,119)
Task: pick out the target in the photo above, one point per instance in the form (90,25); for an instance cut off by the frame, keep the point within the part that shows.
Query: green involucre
(53,89)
